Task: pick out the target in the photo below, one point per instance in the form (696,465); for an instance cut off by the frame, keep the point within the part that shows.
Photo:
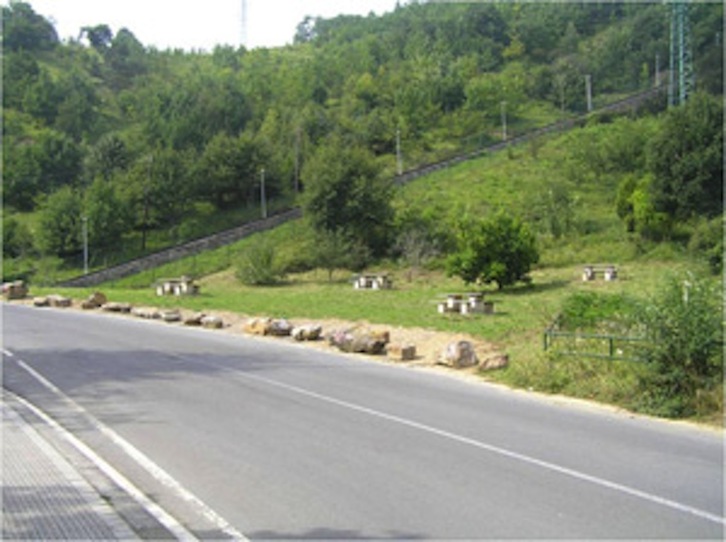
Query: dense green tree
(686,160)
(38,163)
(344,191)
(24,29)
(17,239)
(500,250)
(20,70)
(100,36)
(229,170)
(107,213)
(60,228)
(106,157)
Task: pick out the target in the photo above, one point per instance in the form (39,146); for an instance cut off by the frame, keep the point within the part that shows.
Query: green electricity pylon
(681,80)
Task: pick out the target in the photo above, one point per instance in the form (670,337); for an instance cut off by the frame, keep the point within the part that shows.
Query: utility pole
(399,159)
(85,244)
(504,120)
(297,160)
(656,83)
(588,90)
(263,199)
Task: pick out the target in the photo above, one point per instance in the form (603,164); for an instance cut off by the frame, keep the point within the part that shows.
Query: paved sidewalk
(43,496)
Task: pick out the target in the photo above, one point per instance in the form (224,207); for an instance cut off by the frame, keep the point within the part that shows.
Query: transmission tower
(243,21)
(681,77)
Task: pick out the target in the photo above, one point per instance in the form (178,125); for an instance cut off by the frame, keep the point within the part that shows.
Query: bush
(257,265)
(684,326)
(592,310)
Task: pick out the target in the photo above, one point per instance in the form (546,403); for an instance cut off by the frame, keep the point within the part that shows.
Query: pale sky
(203,24)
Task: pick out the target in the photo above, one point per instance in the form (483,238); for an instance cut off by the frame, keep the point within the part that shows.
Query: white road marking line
(668,503)
(144,461)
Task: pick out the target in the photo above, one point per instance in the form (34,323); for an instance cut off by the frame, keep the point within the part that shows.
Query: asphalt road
(282,441)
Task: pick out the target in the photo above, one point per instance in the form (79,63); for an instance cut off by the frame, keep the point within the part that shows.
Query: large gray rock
(495,361)
(15,290)
(459,355)
(212,322)
(171,316)
(59,301)
(147,313)
(310,332)
(360,341)
(116,307)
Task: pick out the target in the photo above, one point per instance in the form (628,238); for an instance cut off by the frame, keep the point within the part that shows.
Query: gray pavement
(44,497)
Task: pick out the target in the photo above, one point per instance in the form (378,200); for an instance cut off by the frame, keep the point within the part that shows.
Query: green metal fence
(592,345)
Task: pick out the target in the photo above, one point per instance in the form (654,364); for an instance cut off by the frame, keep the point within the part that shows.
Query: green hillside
(143,149)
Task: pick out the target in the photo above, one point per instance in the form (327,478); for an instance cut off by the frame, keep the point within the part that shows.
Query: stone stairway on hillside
(230,236)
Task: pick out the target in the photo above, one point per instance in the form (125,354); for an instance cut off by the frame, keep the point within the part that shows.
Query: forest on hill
(146,147)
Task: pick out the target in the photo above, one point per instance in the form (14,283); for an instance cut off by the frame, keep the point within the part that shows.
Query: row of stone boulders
(361,340)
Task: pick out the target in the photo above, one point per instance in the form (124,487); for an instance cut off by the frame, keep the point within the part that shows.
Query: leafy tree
(36,164)
(60,225)
(500,250)
(20,70)
(229,170)
(686,160)
(107,214)
(25,29)
(335,250)
(17,239)
(100,36)
(344,191)
(108,156)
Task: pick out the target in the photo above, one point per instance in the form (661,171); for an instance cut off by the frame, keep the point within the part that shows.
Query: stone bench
(180,286)
(608,272)
(372,282)
(466,304)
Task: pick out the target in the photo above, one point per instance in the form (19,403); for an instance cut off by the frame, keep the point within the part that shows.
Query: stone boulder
(257,326)
(401,352)
(360,341)
(195,319)
(310,332)
(495,361)
(147,313)
(116,307)
(171,316)
(212,322)
(41,301)
(280,328)
(459,355)
(59,301)
(94,301)
(15,290)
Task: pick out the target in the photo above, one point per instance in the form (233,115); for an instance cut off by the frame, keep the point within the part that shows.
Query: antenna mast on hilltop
(243,30)
(681,82)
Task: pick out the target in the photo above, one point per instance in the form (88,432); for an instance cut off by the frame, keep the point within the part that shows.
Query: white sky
(199,25)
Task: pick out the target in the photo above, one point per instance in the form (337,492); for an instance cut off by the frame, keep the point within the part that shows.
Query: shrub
(257,265)
(684,326)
